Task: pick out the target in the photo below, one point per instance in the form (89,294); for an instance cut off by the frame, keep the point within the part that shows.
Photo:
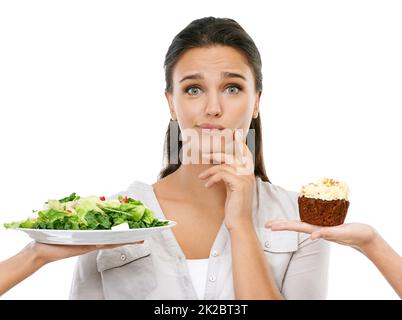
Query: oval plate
(91,237)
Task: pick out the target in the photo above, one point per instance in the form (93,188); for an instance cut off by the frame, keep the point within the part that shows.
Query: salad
(90,213)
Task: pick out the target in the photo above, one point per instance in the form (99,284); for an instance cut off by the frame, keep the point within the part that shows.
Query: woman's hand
(360,236)
(237,172)
(35,255)
(357,235)
(252,276)
(45,253)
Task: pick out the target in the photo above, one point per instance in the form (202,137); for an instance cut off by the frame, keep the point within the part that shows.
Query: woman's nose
(213,107)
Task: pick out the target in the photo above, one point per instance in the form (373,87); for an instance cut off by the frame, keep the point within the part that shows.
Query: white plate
(88,237)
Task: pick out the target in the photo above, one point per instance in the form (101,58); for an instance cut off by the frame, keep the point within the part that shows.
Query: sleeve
(87,281)
(306,277)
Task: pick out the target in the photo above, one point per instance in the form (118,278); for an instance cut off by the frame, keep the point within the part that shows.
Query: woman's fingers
(54,252)
(215,169)
(244,157)
(317,232)
(219,158)
(221,176)
(330,233)
(238,154)
(229,162)
(228,165)
(81,249)
(351,234)
(240,147)
(291,225)
(112,246)
(243,167)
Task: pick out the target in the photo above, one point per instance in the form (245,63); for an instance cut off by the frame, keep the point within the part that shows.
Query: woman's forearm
(252,275)
(386,260)
(17,268)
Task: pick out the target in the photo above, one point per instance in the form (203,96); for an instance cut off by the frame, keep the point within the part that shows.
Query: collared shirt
(157,268)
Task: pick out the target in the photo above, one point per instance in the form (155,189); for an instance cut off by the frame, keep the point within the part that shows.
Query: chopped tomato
(102,198)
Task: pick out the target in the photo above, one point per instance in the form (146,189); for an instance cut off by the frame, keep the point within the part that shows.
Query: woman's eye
(232,89)
(192,91)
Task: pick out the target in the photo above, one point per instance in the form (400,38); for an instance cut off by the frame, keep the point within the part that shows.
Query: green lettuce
(90,213)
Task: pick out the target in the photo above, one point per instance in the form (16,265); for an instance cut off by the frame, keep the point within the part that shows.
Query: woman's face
(213,87)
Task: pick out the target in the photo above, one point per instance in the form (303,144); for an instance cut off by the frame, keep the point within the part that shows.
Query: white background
(82,109)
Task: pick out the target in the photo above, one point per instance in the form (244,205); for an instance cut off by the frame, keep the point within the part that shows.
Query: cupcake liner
(323,212)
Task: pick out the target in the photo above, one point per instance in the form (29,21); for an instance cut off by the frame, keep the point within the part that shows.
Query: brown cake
(324,203)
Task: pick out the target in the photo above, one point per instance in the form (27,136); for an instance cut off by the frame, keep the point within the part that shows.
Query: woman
(34,256)
(362,237)
(219,248)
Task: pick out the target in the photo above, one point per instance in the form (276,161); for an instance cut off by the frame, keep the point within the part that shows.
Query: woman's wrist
(241,225)
(32,253)
(371,244)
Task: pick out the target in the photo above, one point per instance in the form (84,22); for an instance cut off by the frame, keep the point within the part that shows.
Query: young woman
(219,248)
(362,237)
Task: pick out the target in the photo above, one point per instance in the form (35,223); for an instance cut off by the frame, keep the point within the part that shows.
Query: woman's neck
(186,180)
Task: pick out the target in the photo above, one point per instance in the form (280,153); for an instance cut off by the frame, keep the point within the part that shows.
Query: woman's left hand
(237,172)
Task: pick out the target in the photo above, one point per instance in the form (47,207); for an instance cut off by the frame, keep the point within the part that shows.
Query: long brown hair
(207,32)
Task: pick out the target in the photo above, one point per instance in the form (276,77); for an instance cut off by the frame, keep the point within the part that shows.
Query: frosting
(326,189)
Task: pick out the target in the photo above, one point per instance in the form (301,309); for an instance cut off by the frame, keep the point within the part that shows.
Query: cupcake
(324,203)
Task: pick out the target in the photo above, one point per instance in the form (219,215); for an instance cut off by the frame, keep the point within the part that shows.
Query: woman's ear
(257,105)
(171,106)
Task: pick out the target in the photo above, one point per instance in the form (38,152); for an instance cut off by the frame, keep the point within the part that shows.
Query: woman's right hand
(357,235)
(35,255)
(45,253)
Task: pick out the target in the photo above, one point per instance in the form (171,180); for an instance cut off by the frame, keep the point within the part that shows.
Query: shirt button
(123,257)
(212,278)
(267,244)
(214,253)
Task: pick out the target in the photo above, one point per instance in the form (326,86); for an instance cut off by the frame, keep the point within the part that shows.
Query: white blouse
(198,269)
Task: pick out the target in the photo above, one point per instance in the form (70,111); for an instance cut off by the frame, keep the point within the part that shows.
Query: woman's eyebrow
(198,76)
(233,75)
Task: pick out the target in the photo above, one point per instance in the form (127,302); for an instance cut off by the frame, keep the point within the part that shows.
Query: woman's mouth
(210,126)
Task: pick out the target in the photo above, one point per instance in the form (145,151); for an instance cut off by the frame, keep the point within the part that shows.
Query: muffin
(324,203)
